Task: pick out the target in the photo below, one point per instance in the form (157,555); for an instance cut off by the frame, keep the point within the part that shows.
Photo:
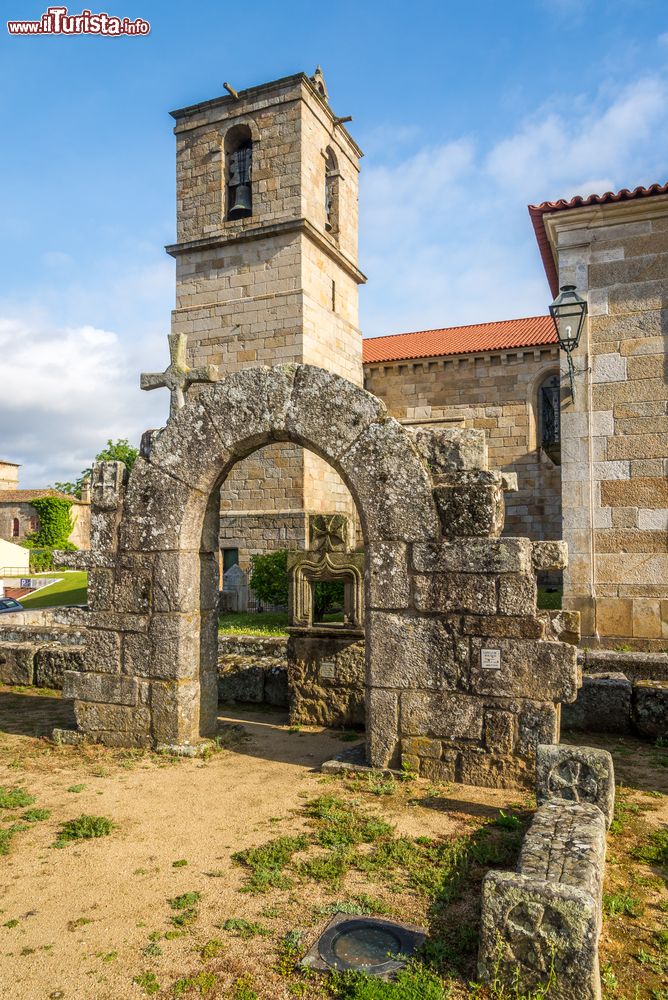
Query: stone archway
(159,676)
(463,674)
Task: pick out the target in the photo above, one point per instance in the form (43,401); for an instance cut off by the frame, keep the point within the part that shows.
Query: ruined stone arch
(165,529)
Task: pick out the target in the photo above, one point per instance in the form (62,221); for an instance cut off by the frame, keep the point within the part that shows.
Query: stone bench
(545,918)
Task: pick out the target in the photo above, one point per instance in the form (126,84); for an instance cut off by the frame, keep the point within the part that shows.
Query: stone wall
(253,669)
(615,433)
(496,392)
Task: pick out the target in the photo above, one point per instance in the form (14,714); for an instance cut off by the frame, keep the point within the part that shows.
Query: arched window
(238,173)
(331,192)
(16,528)
(549,417)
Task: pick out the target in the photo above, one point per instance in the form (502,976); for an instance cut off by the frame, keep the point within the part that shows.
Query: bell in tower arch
(241,206)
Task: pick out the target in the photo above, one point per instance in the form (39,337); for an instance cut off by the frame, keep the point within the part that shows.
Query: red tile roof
(25,496)
(538,211)
(499,336)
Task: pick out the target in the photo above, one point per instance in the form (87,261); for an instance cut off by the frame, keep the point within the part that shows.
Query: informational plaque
(490,659)
(327,670)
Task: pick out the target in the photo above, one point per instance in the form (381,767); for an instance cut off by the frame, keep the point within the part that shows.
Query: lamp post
(568,313)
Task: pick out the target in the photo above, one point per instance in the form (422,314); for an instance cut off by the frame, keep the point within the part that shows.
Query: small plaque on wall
(327,670)
(490,659)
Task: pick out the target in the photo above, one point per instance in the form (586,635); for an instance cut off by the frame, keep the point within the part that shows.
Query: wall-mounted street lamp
(568,312)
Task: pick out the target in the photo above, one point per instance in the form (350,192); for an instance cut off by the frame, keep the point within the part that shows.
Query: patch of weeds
(203,983)
(186,907)
(173,935)
(374,783)
(289,951)
(11,923)
(74,925)
(216,873)
(35,815)
(153,950)
(212,949)
(329,867)
(661,939)
(15,798)
(243,989)
(415,982)
(655,851)
(76,789)
(616,904)
(267,863)
(107,956)
(6,837)
(293,730)
(360,905)
(147,982)
(181,863)
(270,912)
(507,821)
(84,827)
(341,824)
(244,928)
(621,815)
(28,951)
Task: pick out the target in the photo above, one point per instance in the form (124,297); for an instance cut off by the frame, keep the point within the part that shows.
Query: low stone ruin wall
(35,650)
(622,692)
(545,918)
(326,676)
(253,669)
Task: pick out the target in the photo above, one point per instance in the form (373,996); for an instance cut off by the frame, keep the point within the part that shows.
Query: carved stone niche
(306,569)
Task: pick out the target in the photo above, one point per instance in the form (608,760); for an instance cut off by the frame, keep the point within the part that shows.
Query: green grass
(550,599)
(621,904)
(72,588)
(83,828)
(15,798)
(239,927)
(273,623)
(413,983)
(267,862)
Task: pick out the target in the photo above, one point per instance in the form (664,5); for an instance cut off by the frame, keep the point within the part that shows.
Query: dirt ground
(85,921)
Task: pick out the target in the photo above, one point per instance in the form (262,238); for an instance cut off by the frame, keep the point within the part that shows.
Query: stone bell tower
(266,273)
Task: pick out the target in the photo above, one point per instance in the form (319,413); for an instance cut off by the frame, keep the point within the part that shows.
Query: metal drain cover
(367,944)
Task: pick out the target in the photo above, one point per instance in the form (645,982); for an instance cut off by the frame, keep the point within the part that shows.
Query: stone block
(174,647)
(474,555)
(566,843)
(276,686)
(175,713)
(455,592)
(444,715)
(560,626)
(540,671)
(421,746)
(537,722)
(17,662)
(470,510)
(486,769)
(245,684)
(504,627)
(382,720)
(388,583)
(499,731)
(408,651)
(448,449)
(441,771)
(176,581)
(650,708)
(517,594)
(103,651)
(576,774)
(101,688)
(528,925)
(53,660)
(603,705)
(122,720)
(549,555)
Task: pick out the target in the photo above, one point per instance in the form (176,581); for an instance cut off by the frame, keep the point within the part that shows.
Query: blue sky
(466,113)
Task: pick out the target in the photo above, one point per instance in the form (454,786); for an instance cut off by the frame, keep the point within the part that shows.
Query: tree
(115,451)
(269,576)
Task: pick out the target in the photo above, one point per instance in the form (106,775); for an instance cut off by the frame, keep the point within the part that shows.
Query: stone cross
(177,377)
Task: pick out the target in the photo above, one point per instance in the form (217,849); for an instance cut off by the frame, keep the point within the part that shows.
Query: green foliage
(412,983)
(115,451)
(55,524)
(360,905)
(269,576)
(266,863)
(202,984)
(35,815)
(41,560)
(7,835)
(84,827)
(655,851)
(507,821)
(288,952)
(341,824)
(15,798)
(621,904)
(244,928)
(253,623)
(212,949)
(327,594)
(186,908)
(147,982)
(243,989)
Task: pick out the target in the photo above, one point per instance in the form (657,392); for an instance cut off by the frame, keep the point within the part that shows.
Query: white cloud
(445,236)
(66,390)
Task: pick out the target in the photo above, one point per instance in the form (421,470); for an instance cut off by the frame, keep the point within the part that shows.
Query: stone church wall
(494,392)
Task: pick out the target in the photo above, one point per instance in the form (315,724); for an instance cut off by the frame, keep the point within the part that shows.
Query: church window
(549,417)
(16,528)
(331,192)
(239,172)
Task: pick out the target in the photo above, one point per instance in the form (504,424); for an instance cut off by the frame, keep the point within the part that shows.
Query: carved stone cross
(177,377)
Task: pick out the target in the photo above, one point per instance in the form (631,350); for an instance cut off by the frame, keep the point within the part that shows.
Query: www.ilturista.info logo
(57,21)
